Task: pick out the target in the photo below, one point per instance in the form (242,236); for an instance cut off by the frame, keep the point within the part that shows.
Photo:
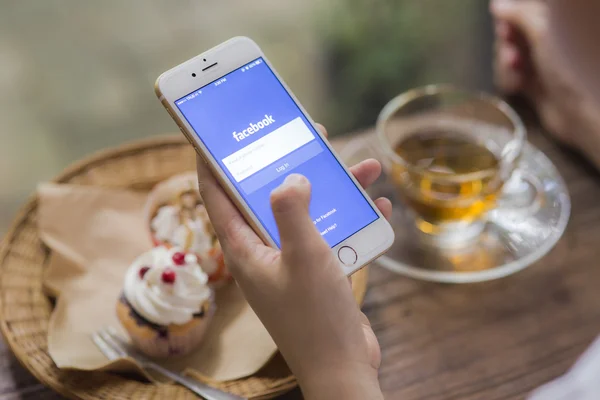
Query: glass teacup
(449,152)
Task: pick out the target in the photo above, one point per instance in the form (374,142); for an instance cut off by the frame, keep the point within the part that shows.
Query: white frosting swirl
(166,303)
(191,235)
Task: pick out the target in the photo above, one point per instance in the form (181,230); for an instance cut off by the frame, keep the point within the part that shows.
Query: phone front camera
(194,74)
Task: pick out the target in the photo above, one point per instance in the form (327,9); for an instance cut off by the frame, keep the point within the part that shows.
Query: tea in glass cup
(449,153)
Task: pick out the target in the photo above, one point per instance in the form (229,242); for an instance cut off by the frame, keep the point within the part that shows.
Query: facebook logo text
(253,128)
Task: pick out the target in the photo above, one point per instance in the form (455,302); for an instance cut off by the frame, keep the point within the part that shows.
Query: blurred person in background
(548,52)
(545,51)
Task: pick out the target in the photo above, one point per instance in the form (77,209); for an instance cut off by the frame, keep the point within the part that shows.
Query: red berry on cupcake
(168,276)
(179,258)
(143,271)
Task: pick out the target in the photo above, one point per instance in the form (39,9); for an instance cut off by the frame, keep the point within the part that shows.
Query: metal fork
(113,346)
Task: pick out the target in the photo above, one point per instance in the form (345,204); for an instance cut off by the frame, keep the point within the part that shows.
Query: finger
(528,16)
(512,65)
(507,32)
(372,341)
(503,30)
(510,74)
(385,206)
(366,172)
(230,226)
(511,57)
(297,232)
(322,129)
(364,319)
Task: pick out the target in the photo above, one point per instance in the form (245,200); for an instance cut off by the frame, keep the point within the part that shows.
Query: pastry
(177,218)
(166,304)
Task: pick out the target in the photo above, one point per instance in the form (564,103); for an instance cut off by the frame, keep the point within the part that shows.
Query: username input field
(268,149)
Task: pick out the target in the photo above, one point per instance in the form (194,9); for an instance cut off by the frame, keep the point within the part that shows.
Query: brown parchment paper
(94,234)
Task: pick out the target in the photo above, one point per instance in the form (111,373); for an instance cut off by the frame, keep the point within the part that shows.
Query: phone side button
(192,143)
(347,255)
(186,136)
(169,111)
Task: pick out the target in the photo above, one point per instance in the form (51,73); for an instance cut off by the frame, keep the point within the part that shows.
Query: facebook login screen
(258,135)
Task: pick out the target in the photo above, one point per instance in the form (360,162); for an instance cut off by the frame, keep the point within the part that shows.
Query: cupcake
(177,218)
(166,304)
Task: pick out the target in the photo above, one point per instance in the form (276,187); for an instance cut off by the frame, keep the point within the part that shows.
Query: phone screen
(258,135)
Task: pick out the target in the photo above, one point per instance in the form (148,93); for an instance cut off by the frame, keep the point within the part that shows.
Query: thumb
(528,16)
(289,203)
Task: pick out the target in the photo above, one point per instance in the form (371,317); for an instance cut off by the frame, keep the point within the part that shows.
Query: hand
(300,293)
(529,63)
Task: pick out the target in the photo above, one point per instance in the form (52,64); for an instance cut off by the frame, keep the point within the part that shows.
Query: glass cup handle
(516,185)
(521,193)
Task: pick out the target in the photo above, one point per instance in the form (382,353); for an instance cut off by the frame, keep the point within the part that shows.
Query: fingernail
(294,179)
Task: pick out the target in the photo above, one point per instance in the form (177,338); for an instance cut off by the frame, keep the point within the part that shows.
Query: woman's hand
(528,62)
(300,293)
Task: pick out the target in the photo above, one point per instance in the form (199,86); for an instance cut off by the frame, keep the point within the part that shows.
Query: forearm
(347,385)
(575,30)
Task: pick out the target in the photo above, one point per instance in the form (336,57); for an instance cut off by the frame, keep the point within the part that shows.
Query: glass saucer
(516,233)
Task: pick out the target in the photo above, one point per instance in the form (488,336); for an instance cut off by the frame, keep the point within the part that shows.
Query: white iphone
(249,128)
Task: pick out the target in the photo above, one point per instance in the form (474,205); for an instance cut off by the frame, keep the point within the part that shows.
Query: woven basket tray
(25,309)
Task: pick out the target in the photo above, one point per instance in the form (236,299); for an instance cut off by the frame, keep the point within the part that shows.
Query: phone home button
(347,255)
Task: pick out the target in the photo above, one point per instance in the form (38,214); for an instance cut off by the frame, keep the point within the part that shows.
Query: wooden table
(489,341)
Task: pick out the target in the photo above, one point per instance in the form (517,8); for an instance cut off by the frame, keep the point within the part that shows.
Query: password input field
(268,149)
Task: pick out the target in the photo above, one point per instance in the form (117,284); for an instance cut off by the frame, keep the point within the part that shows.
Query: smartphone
(252,132)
